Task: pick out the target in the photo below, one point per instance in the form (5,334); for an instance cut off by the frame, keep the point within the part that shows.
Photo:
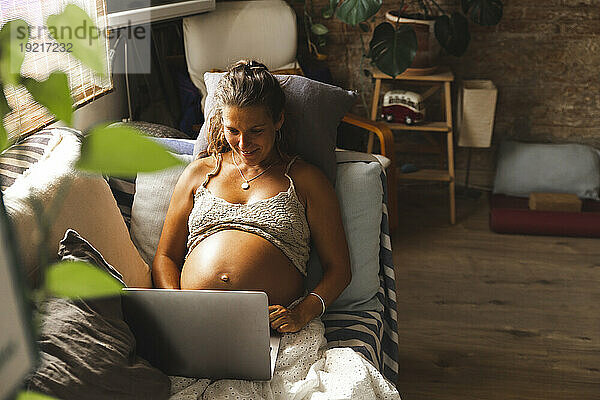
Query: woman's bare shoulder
(308,177)
(193,175)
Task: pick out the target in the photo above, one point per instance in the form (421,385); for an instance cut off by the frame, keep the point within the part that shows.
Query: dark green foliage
(393,50)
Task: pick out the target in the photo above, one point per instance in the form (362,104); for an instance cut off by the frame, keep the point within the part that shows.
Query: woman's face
(250,132)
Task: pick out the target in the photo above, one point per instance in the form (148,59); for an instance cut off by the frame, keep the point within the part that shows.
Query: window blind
(28,116)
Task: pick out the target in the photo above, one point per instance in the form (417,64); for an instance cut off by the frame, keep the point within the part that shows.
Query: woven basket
(476,109)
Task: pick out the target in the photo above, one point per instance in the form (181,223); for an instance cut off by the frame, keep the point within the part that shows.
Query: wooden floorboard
(490,316)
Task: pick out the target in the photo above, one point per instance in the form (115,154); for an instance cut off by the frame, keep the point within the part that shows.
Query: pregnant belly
(238,260)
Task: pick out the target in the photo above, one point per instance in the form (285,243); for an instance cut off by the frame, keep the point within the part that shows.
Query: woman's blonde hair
(247,83)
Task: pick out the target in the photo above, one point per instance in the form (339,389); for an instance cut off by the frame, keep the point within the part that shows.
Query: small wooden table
(440,80)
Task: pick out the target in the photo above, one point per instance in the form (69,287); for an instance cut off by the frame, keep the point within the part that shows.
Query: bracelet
(322,303)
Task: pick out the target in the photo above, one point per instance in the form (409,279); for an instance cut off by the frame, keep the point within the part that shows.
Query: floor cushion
(525,168)
(509,214)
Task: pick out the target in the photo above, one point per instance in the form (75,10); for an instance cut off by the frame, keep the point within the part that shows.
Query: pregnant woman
(243,218)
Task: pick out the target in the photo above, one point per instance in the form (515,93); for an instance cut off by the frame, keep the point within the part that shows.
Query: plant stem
(360,81)
(362,88)
(438,7)
(424,8)
(306,29)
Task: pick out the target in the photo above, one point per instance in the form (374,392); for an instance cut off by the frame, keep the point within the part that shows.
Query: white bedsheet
(305,369)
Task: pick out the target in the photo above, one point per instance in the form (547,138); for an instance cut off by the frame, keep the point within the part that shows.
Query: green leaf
(4,109)
(354,11)
(3,138)
(319,29)
(75,29)
(122,151)
(326,12)
(453,33)
(329,11)
(391,50)
(13,37)
(54,94)
(483,12)
(76,279)
(33,396)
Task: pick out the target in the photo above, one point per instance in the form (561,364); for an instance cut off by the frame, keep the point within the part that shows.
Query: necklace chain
(246,184)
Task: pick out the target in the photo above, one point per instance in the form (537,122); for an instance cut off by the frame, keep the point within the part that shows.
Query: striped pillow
(17,159)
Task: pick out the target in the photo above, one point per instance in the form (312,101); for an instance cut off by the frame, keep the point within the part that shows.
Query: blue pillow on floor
(525,168)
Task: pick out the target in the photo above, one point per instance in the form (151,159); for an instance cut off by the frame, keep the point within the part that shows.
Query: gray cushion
(313,113)
(360,193)
(525,168)
(153,193)
(87,351)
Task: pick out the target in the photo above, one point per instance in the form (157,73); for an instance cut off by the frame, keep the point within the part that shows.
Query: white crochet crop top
(280,219)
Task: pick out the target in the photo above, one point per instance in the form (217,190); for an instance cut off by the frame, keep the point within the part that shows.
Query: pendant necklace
(246,183)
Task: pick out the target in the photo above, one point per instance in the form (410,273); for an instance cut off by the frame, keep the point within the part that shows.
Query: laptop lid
(202,333)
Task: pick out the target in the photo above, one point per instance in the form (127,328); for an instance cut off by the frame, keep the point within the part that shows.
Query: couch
(105,212)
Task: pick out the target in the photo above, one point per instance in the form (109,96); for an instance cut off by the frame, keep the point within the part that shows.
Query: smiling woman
(253,193)
(42,55)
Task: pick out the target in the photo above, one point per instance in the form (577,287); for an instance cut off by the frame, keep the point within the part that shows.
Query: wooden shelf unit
(440,80)
(422,127)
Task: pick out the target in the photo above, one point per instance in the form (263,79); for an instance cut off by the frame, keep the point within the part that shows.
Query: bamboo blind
(28,116)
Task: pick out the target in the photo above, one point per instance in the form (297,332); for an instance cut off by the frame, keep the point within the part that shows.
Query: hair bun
(248,66)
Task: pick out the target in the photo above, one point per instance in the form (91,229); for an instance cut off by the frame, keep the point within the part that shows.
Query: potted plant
(393,47)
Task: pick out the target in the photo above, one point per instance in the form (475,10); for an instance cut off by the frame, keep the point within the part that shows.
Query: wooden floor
(489,316)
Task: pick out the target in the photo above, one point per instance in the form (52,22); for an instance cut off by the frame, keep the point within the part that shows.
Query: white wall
(110,107)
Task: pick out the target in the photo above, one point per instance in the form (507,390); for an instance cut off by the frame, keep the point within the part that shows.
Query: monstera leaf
(354,11)
(483,12)
(391,50)
(453,33)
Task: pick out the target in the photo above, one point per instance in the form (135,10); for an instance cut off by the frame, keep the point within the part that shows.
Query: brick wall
(544,57)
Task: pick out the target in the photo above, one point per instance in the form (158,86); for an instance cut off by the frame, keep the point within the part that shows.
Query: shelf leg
(450,148)
(374,105)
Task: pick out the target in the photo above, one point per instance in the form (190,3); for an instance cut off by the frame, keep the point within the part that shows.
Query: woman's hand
(285,320)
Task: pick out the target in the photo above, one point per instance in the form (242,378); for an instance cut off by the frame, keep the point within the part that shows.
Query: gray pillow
(313,112)
(87,350)
(360,194)
(153,193)
(525,168)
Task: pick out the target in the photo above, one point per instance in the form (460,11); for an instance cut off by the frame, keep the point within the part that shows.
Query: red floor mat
(512,215)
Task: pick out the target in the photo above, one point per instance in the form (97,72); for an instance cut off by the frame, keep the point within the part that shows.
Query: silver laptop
(203,333)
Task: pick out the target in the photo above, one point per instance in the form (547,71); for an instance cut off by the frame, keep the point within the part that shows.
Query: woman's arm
(327,233)
(170,253)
